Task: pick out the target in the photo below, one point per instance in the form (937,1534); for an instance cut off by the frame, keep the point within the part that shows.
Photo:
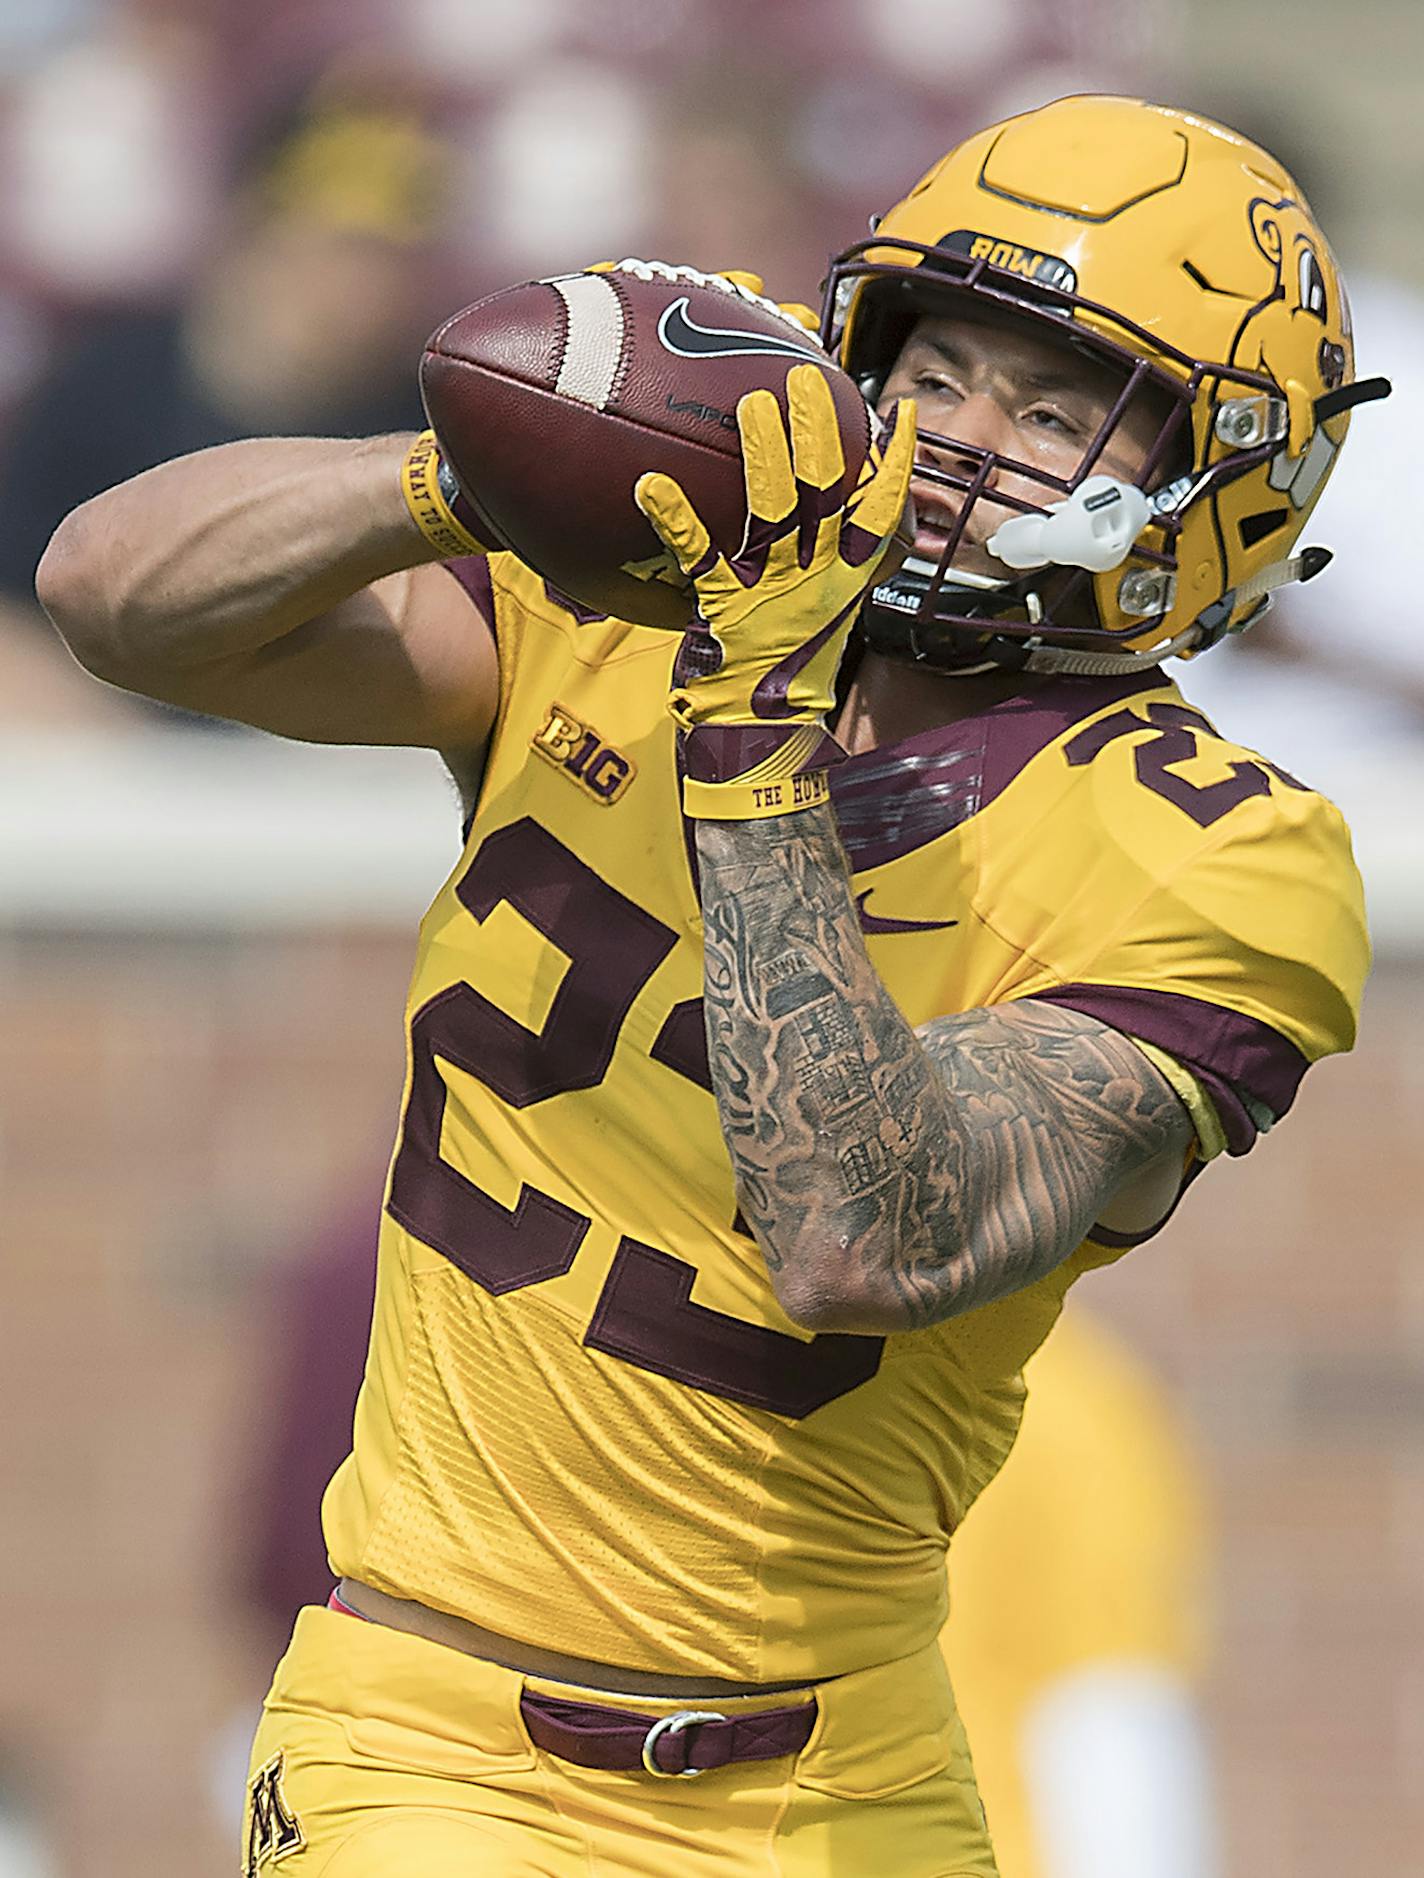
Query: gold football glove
(781,609)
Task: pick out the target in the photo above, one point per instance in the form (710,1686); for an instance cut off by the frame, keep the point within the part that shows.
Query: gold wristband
(748,801)
(431,513)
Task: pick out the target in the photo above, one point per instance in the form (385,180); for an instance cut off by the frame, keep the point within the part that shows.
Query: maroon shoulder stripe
(1021,726)
(1227,1051)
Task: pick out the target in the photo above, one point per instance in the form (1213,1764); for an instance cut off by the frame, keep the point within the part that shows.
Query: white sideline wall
(187,829)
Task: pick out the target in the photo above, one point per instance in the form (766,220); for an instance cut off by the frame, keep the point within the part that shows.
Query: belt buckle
(674,1725)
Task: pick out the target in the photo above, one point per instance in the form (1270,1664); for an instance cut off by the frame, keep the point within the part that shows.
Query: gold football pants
(381,1755)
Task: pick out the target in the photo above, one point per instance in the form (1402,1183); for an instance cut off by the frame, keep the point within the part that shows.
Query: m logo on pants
(273,1830)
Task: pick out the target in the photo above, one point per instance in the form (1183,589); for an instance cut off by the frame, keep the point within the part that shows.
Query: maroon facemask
(935,613)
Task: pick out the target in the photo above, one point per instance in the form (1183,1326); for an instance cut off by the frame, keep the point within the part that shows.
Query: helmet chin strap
(1064,662)
(1095,529)
(892,633)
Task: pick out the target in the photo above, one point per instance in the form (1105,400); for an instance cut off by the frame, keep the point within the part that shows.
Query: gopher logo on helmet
(1288,238)
(273,1829)
(1302,270)
(1285,233)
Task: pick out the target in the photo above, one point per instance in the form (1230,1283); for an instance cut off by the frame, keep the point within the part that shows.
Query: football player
(747,1152)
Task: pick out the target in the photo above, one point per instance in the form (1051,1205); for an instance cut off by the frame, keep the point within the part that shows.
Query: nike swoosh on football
(872,922)
(688,340)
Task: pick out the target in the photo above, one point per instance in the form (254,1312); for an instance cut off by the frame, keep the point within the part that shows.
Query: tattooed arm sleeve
(894,1178)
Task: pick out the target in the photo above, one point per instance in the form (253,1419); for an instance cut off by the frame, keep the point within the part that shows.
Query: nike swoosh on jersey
(872,922)
(688,340)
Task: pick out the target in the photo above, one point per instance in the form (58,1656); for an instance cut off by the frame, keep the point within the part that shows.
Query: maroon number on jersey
(645,1314)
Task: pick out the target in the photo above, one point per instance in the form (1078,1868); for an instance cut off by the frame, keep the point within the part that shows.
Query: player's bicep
(1066,1124)
(408,660)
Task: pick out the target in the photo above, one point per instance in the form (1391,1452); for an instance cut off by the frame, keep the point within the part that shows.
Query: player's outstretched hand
(782,607)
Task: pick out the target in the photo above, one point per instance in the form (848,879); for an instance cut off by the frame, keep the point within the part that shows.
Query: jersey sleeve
(521,609)
(1209,1135)
(1231,938)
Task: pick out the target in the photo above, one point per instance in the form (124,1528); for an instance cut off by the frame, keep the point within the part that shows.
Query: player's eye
(938,384)
(1047,418)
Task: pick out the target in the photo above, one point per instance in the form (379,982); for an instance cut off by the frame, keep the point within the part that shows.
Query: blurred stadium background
(226,216)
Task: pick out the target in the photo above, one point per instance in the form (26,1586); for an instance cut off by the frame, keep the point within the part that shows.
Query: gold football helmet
(1188,259)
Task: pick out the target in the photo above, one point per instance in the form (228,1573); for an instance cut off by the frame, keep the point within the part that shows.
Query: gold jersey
(586,1422)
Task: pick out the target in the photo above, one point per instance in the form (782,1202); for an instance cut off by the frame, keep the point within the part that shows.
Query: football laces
(693,276)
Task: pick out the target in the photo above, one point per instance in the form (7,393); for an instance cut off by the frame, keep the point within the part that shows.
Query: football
(551,399)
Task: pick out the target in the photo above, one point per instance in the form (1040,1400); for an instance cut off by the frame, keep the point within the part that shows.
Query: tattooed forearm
(893,1179)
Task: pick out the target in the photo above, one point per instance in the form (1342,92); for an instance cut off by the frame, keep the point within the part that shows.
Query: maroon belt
(692,1741)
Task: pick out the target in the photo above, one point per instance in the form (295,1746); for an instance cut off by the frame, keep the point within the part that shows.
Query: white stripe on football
(594,349)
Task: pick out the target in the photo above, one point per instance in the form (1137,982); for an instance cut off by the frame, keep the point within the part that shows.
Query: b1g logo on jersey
(273,1829)
(581,753)
(1050,269)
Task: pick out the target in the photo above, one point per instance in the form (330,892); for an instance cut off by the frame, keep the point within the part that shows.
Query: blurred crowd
(224,219)
(234,217)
